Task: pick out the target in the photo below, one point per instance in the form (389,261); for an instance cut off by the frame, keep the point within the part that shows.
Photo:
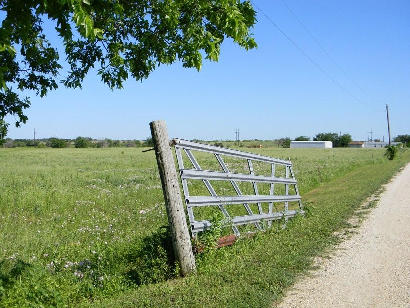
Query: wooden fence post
(181,241)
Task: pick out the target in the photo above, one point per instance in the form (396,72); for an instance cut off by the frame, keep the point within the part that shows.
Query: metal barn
(311,144)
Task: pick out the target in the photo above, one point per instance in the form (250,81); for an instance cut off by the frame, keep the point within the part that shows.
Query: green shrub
(391,152)
(284,142)
(56,143)
(81,142)
(148,142)
(207,240)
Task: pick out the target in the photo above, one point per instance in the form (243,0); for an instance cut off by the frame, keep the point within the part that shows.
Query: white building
(374,144)
(311,144)
(370,144)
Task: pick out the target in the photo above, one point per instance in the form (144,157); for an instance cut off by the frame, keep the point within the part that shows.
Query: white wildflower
(78,274)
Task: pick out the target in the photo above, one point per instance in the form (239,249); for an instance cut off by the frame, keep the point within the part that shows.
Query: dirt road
(370,269)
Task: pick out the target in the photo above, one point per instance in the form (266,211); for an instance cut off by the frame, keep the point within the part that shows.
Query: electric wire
(305,54)
(322,48)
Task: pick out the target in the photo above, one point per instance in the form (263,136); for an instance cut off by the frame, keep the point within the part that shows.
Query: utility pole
(34,135)
(237,136)
(388,122)
(371,134)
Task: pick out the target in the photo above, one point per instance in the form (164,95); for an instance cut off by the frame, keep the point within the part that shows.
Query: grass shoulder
(255,272)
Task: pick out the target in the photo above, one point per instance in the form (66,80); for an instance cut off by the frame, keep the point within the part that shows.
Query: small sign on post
(181,241)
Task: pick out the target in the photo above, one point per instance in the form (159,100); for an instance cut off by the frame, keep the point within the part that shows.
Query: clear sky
(269,92)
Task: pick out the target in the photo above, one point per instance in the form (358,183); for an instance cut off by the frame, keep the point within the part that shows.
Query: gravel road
(370,269)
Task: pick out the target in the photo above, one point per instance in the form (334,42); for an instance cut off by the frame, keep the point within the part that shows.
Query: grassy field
(85,227)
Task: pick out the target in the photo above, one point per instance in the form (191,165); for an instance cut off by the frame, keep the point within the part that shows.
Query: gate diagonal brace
(194,202)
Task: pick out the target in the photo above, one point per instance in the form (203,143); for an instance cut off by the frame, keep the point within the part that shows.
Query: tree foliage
(391,152)
(56,143)
(338,141)
(149,142)
(119,38)
(302,138)
(326,137)
(343,140)
(284,142)
(82,142)
(405,139)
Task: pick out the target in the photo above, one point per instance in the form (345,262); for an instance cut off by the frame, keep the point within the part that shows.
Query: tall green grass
(84,225)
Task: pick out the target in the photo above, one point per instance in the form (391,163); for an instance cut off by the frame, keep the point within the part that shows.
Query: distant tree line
(86,142)
(79,142)
(338,141)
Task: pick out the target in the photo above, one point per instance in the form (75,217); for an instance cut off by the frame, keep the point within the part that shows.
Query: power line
(322,48)
(316,64)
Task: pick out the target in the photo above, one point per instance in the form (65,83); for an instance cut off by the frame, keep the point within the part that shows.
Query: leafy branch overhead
(120,38)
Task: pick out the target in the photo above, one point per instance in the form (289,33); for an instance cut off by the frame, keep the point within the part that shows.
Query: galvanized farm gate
(206,176)
(173,200)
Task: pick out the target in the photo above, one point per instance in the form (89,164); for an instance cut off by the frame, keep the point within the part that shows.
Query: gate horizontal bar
(241,220)
(214,175)
(229,152)
(199,226)
(210,200)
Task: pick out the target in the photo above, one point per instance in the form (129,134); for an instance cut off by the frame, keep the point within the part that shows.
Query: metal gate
(259,217)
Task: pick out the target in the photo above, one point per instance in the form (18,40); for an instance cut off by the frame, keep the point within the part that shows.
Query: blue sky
(269,92)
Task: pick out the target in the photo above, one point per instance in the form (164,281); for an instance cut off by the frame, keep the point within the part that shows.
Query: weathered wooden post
(170,186)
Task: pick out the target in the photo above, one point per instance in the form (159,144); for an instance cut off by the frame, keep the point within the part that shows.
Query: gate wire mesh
(255,215)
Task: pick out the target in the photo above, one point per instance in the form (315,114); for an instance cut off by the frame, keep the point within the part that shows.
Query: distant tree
(18,143)
(405,139)
(81,142)
(284,142)
(32,143)
(129,143)
(8,143)
(102,144)
(337,141)
(377,140)
(149,142)
(343,141)
(56,143)
(302,138)
(109,142)
(326,137)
